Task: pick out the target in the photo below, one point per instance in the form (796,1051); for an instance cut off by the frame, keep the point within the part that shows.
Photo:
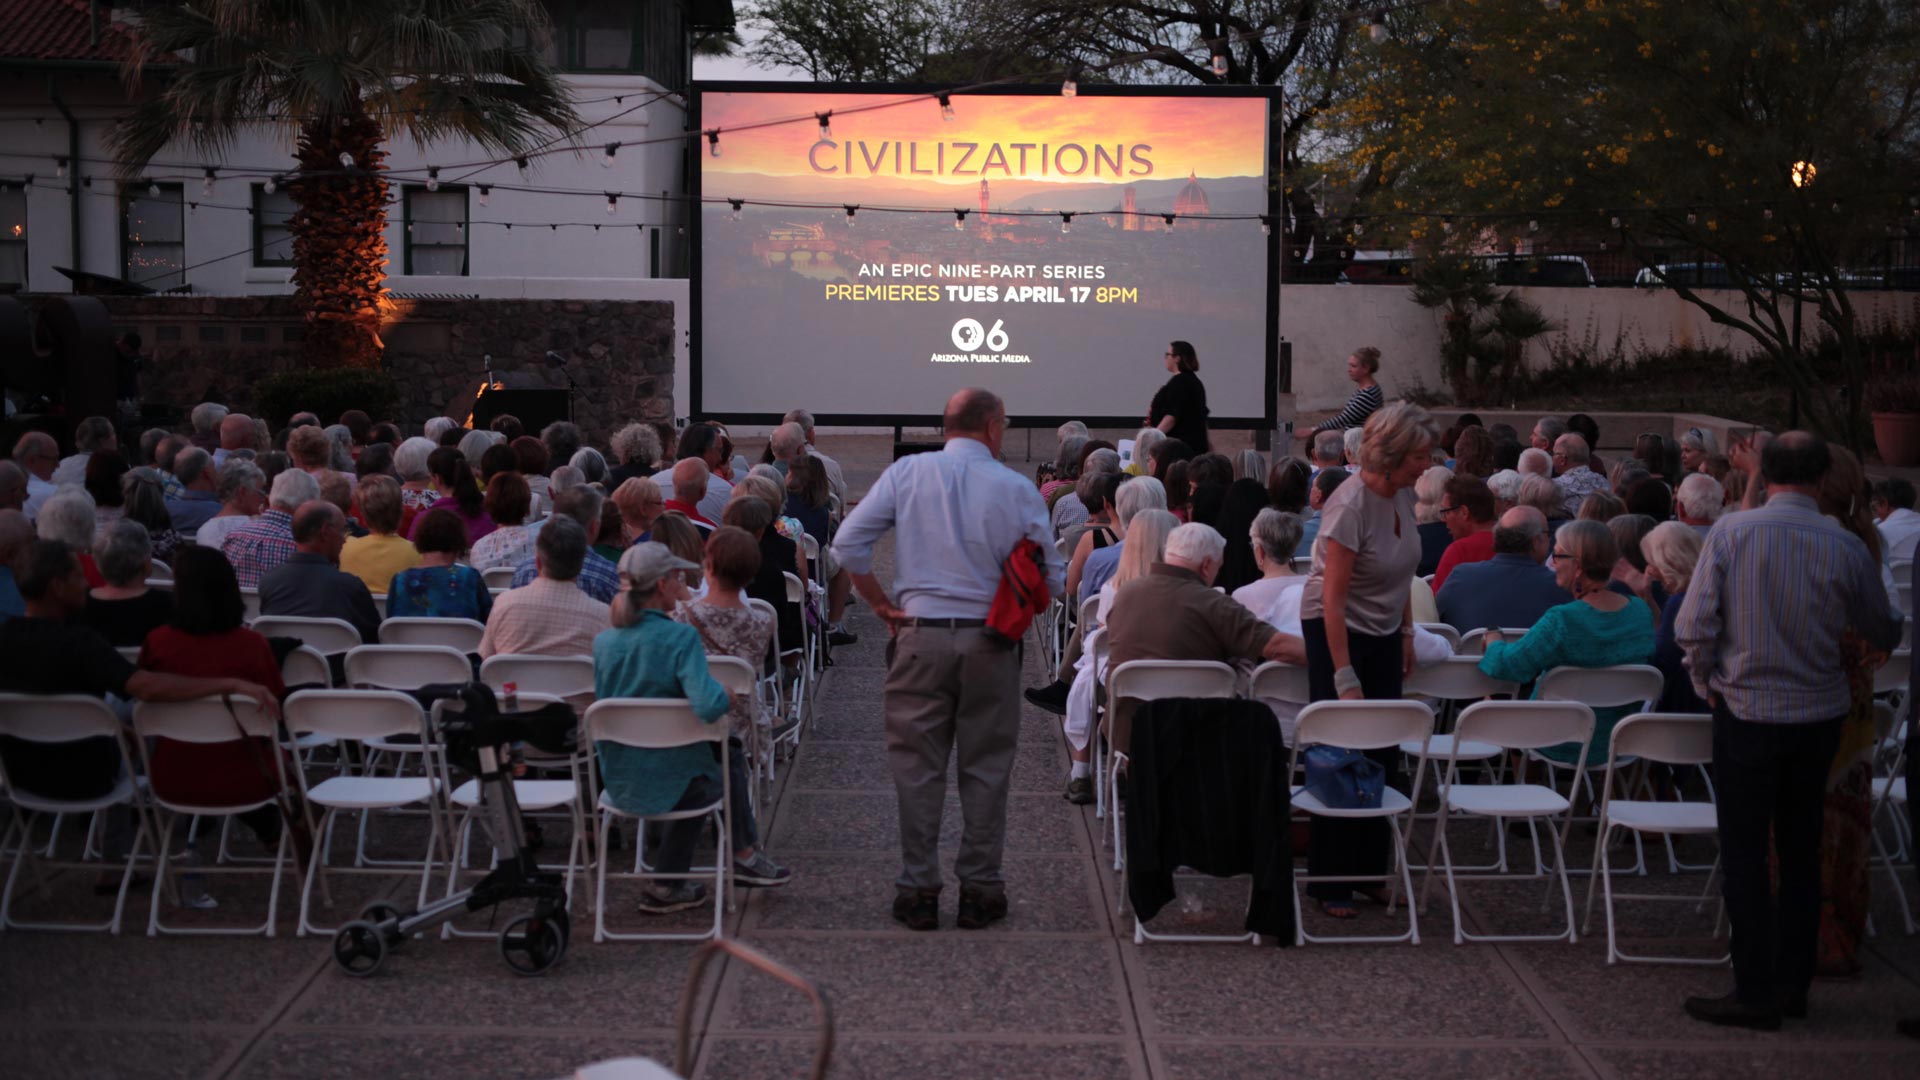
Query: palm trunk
(339,241)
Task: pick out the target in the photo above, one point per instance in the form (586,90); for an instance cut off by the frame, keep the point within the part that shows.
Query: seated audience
(1899,525)
(1511,589)
(591,463)
(69,518)
(1630,573)
(440,586)
(13,486)
(1143,493)
(769,582)
(1543,495)
(1601,506)
(701,493)
(123,609)
(205,638)
(1701,500)
(1696,446)
(309,583)
(460,493)
(1101,529)
(1329,450)
(37,455)
(50,651)
(685,541)
(376,557)
(640,504)
(238,434)
(1140,463)
(1324,485)
(1068,514)
(16,533)
(1275,597)
(198,498)
(550,615)
(95,434)
(690,474)
(530,460)
(1644,493)
(105,469)
(1473,453)
(1573,474)
(1505,485)
(263,544)
(1672,550)
(242,490)
(509,426)
(508,502)
(636,448)
(1599,628)
(810,501)
(416,480)
(146,502)
(1584,426)
(598,577)
(1468,513)
(610,541)
(648,655)
(1246,498)
(1350,442)
(1535,462)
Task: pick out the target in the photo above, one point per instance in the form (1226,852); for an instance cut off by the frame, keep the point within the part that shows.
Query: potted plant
(1893,398)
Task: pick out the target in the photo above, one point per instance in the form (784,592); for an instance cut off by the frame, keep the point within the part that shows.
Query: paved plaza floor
(1057,991)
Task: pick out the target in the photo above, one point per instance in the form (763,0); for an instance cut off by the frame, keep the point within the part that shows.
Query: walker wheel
(532,944)
(359,948)
(382,913)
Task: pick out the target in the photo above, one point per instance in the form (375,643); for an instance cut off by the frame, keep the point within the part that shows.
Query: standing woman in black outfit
(1362,366)
(1180,406)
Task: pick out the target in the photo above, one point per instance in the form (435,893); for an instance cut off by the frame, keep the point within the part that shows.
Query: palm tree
(342,76)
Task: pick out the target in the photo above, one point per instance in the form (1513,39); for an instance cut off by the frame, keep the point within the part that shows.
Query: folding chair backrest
(1363,725)
(1906,632)
(1525,725)
(652,723)
(159,571)
(306,666)
(498,577)
(1302,564)
(1281,682)
(406,667)
(796,592)
(1636,685)
(773,617)
(1474,642)
(380,604)
(354,714)
(203,720)
(330,636)
(56,718)
(129,653)
(1456,678)
(250,599)
(560,676)
(462,634)
(1892,676)
(811,546)
(1668,738)
(1441,629)
(1147,680)
(1886,722)
(1090,613)
(733,673)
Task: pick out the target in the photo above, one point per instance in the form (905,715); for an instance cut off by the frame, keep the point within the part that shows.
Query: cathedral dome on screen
(1192,198)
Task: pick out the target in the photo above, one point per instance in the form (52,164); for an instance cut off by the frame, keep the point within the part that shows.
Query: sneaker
(1080,791)
(760,872)
(678,896)
(977,909)
(1052,698)
(839,635)
(1730,1011)
(917,909)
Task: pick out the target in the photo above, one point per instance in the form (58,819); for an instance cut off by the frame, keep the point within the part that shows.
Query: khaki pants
(952,690)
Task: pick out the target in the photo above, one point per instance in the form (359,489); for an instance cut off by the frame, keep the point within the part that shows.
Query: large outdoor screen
(880,314)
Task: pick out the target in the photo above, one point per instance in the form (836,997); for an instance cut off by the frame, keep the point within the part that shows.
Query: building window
(436,231)
(153,240)
(272,240)
(13,235)
(595,35)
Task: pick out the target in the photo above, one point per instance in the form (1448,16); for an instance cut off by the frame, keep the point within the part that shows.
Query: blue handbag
(1344,779)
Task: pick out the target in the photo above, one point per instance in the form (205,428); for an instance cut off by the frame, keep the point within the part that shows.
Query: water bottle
(1192,908)
(512,697)
(193,883)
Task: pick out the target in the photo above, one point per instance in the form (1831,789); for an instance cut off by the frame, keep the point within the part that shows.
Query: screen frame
(1267,421)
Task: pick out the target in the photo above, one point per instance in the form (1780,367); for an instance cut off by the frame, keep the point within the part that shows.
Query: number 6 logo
(997,337)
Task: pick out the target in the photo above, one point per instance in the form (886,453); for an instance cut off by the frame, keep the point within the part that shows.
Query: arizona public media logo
(969,335)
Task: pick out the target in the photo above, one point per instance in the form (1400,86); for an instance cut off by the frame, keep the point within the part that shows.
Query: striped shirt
(1774,590)
(1364,403)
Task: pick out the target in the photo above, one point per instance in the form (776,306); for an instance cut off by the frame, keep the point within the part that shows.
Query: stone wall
(619,352)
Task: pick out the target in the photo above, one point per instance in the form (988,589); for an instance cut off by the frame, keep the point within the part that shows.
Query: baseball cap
(645,564)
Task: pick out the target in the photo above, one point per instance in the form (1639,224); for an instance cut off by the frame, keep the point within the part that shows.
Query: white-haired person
(1672,550)
(122,608)
(591,463)
(1148,530)
(1505,485)
(69,517)
(266,543)
(205,419)
(94,433)
(1535,462)
(1357,621)
(1699,501)
(637,448)
(1066,468)
(417,493)
(1144,440)
(242,490)
(1429,500)
(1696,446)
(437,427)
(1350,440)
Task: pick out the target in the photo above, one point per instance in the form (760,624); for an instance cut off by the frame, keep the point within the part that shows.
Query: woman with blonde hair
(1672,550)
(1429,509)
(641,504)
(1146,544)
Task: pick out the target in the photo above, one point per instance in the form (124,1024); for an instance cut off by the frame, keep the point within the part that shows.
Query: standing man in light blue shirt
(950,686)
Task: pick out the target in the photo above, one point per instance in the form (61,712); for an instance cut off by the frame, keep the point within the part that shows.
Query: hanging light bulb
(1446,223)
(272,185)
(346,160)
(433,178)
(959,220)
(1266,225)
(1766,213)
(613,202)
(522,163)
(1614,220)
(1377,29)
(1220,65)
(1070,88)
(1066,222)
(826,125)
(851,210)
(1168,218)
(606,162)
(1533,226)
(206,183)
(193,209)
(713,142)
(736,204)
(946,107)
(153,189)
(484,192)
(1692,218)
(60,167)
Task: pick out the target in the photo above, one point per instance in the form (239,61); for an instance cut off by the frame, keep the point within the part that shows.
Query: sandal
(1339,909)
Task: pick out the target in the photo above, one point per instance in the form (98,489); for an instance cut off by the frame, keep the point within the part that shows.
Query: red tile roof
(61,30)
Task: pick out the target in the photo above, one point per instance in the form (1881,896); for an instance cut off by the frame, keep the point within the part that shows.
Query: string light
(613,202)
(1766,213)
(1692,218)
(1168,218)
(826,126)
(607,161)
(1266,225)
(1614,220)
(959,220)
(1220,65)
(522,163)
(1066,222)
(153,189)
(851,210)
(713,141)
(193,209)
(736,204)
(271,185)
(60,167)
(206,183)
(1071,86)
(1533,226)
(346,160)
(484,192)
(946,107)
(433,178)
(1377,29)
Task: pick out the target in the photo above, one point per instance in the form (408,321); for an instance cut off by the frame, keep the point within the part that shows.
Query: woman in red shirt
(205,638)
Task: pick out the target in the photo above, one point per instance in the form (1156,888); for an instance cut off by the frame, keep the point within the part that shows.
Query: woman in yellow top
(376,557)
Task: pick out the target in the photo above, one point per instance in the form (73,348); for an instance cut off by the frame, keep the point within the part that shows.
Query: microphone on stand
(554,359)
(487,359)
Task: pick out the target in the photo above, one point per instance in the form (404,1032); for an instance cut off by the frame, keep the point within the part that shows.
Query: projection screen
(1046,247)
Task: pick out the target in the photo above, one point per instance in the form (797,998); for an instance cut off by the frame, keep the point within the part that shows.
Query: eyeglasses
(1449,509)
(1558,554)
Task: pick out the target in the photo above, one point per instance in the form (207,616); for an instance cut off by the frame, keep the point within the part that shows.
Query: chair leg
(600,880)
(1566,887)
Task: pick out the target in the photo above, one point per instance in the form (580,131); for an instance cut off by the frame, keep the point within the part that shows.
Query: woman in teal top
(649,655)
(1599,628)
(439,587)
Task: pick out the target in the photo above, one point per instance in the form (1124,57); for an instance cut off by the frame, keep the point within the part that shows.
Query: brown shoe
(978,908)
(917,909)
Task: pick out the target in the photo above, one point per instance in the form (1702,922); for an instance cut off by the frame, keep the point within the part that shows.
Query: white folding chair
(498,577)
(774,683)
(250,599)
(1474,642)
(1440,629)
(360,716)
(1364,725)
(740,680)
(206,721)
(306,665)
(1283,683)
(159,571)
(1889,797)
(1149,680)
(805,649)
(59,719)
(568,677)
(328,636)
(1449,683)
(545,795)
(461,634)
(1669,739)
(405,667)
(1632,686)
(380,605)
(1509,725)
(658,724)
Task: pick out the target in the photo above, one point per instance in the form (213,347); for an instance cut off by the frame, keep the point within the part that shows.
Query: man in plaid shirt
(264,543)
(598,577)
